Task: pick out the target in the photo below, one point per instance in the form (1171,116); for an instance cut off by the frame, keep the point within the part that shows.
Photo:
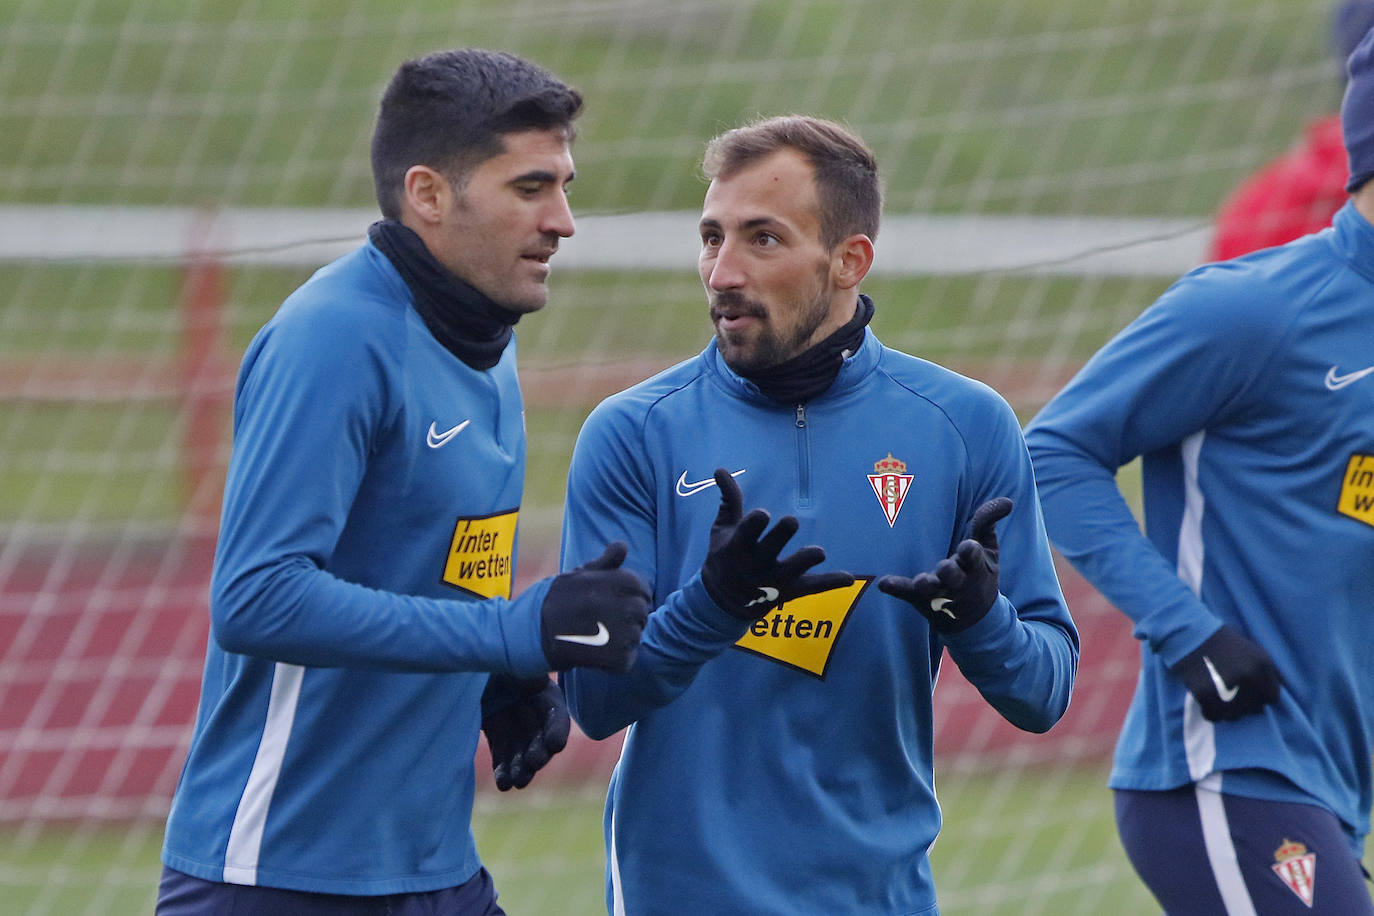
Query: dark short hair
(448,110)
(848,188)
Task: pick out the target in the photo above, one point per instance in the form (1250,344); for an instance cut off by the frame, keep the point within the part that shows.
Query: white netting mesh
(1050,165)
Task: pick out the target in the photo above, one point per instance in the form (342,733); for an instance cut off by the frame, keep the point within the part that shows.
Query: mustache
(736,304)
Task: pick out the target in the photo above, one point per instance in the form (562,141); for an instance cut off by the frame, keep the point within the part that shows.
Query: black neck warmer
(468,324)
(811,372)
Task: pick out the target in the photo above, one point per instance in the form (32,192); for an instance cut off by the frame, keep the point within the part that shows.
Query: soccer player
(362,579)
(779,752)
(1301,190)
(1242,772)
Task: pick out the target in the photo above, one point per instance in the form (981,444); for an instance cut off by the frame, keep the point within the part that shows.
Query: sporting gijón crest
(1297,868)
(890,483)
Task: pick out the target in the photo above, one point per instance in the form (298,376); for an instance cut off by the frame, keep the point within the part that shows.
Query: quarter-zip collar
(1353,237)
(470,326)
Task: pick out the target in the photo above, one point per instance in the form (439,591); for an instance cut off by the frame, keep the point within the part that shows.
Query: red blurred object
(1295,194)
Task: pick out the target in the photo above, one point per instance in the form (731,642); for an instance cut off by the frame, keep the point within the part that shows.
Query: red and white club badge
(1297,868)
(890,483)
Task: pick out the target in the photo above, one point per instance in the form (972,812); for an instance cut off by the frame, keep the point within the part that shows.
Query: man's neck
(811,372)
(1364,201)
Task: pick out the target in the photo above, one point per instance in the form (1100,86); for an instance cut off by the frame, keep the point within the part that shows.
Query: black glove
(742,572)
(593,615)
(962,588)
(526,722)
(1229,675)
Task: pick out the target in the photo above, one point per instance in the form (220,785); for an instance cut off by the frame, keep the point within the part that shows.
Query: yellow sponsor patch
(801,633)
(480,557)
(1357,489)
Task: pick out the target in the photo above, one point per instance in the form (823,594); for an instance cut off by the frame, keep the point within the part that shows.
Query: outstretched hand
(742,571)
(962,588)
(594,615)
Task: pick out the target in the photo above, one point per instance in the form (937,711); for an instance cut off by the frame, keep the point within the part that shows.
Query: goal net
(170,171)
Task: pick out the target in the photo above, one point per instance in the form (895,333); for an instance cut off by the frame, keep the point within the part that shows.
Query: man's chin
(531,301)
(740,356)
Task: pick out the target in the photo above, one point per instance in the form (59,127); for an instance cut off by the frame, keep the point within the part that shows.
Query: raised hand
(962,588)
(742,571)
(594,615)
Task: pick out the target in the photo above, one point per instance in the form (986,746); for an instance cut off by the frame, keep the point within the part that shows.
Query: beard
(764,345)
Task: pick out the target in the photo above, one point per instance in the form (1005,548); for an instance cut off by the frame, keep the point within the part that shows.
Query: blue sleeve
(1023,655)
(1183,364)
(311,401)
(609,499)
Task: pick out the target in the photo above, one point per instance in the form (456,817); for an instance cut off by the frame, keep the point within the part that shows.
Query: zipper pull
(801,416)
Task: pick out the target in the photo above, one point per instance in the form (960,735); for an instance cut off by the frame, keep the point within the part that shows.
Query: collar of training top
(470,326)
(811,372)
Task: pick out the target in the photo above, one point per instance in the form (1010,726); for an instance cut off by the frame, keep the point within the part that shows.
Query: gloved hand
(1229,675)
(962,588)
(526,722)
(742,572)
(593,615)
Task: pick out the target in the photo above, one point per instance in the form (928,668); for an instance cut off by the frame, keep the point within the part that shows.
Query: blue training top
(785,766)
(359,595)
(1248,388)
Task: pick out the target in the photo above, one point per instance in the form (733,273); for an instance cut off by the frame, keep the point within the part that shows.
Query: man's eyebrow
(754,223)
(541,175)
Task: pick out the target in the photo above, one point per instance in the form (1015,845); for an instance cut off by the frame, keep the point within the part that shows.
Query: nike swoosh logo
(1227,694)
(436,439)
(687,489)
(767,596)
(1335,381)
(941,606)
(599,638)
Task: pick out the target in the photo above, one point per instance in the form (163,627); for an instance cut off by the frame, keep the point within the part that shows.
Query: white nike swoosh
(1335,381)
(687,489)
(436,439)
(941,606)
(768,597)
(1227,694)
(599,638)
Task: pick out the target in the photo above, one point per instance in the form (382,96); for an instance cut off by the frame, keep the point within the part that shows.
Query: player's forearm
(1024,666)
(291,611)
(1091,524)
(685,633)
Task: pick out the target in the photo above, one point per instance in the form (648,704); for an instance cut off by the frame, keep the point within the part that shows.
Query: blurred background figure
(1298,192)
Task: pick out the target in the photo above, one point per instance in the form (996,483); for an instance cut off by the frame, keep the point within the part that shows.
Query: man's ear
(427,194)
(850,261)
